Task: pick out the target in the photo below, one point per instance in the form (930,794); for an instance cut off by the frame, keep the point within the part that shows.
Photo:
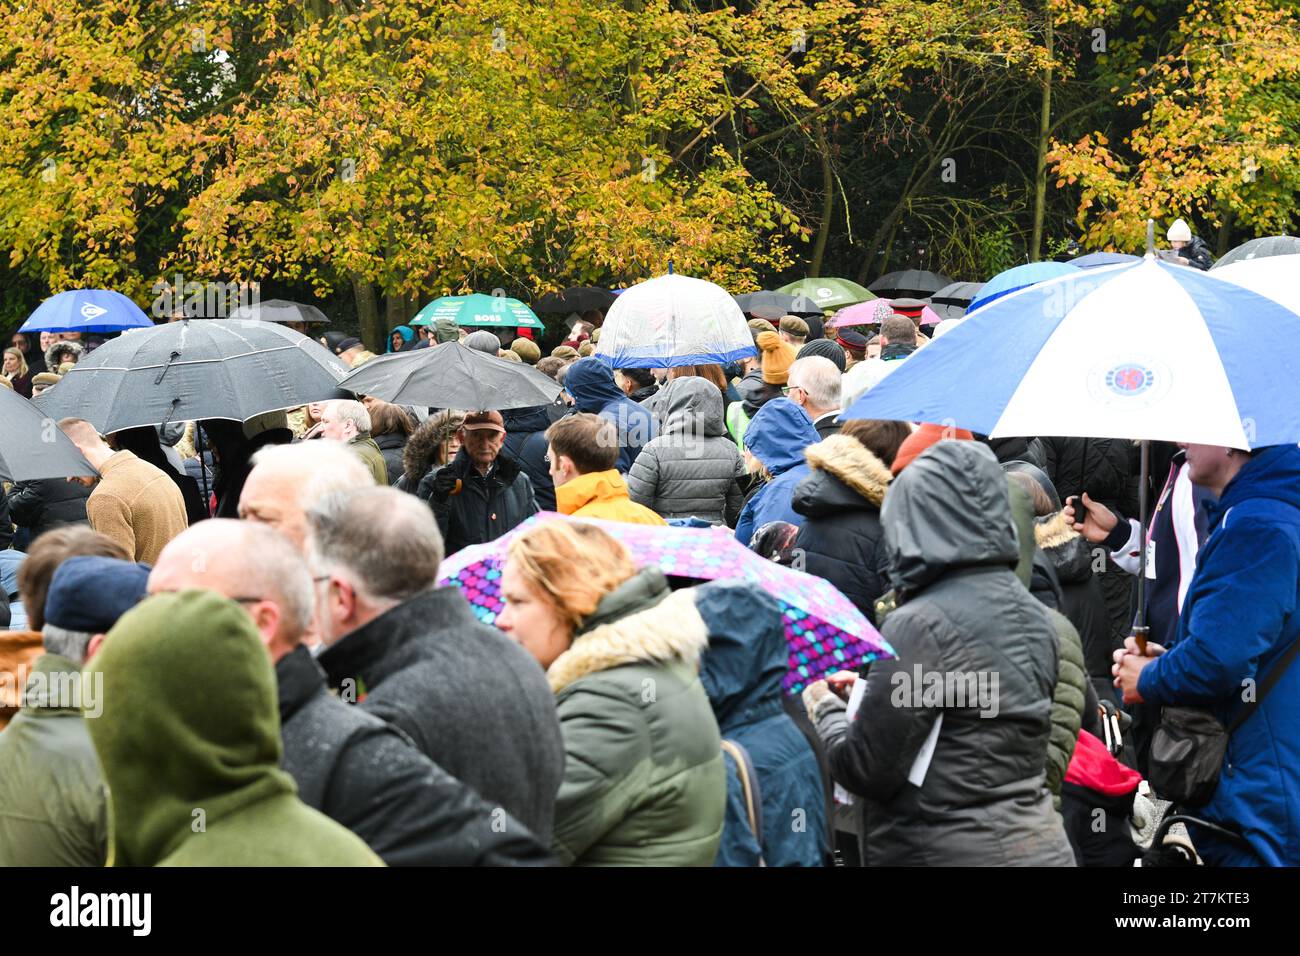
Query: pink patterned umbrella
(823,629)
(875,312)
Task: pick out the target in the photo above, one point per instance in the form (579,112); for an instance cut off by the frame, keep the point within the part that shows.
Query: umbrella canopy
(582,298)
(490,311)
(674,320)
(828,293)
(775,305)
(875,312)
(1273,277)
(823,629)
(1004,283)
(452,376)
(194,369)
(1264,248)
(1145,351)
(86,310)
(1094,259)
(909,283)
(281,310)
(31,447)
(957,293)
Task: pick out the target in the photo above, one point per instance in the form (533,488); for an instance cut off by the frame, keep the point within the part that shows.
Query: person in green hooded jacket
(189,741)
(644,780)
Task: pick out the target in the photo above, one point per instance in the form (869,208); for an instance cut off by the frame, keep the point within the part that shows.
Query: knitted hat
(1179,231)
(923,438)
(793,325)
(566,352)
(778,356)
(527,350)
(88,593)
(824,348)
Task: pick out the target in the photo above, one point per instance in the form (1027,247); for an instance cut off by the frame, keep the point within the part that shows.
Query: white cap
(1179,232)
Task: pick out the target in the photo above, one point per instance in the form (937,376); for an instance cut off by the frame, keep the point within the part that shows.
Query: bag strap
(749,786)
(1274,675)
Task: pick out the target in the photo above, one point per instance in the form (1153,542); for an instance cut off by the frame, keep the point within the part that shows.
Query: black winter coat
(1081,599)
(1106,468)
(841,536)
(486,507)
(983,800)
(369,776)
(475,702)
(391,447)
(526,444)
(47,503)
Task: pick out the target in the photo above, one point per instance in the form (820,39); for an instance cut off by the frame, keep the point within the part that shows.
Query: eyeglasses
(787,389)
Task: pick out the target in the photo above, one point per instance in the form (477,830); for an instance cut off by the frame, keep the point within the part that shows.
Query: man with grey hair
(474,701)
(814,384)
(349,422)
(286,480)
(53,804)
(349,765)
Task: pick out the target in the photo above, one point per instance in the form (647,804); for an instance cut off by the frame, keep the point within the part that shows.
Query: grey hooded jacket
(692,467)
(983,800)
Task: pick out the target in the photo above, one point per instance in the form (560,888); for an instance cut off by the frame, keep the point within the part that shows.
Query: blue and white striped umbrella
(1149,350)
(674,320)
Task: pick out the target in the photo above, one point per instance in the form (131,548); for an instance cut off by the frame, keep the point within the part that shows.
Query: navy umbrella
(194,369)
(31,445)
(452,376)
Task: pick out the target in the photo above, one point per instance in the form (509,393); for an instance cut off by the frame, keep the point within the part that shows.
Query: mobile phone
(1080,509)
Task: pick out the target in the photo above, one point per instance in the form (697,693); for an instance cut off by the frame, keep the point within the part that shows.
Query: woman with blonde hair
(16,373)
(644,782)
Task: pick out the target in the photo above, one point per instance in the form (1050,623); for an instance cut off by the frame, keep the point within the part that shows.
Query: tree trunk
(1222,246)
(372,332)
(1044,134)
(828,201)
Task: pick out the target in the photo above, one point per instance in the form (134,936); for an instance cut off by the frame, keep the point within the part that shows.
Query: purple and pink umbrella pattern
(875,312)
(823,629)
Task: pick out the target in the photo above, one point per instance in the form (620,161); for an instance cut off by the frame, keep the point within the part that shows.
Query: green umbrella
(495,311)
(828,293)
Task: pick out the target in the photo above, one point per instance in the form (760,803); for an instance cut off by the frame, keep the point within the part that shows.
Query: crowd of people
(232,647)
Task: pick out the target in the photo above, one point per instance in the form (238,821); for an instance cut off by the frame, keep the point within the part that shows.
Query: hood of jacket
(693,406)
(405,331)
(519,421)
(639,622)
(190,720)
(591,383)
(423,446)
(949,509)
(754,392)
(845,476)
(1067,551)
(61,346)
(747,656)
(778,435)
(1272,472)
(593,486)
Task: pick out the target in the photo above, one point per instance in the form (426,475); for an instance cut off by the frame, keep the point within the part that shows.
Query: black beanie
(824,348)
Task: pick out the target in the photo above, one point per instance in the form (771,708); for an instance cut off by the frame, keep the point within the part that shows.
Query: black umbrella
(280,310)
(1261,249)
(192,370)
(956,293)
(581,298)
(909,283)
(452,376)
(774,305)
(31,445)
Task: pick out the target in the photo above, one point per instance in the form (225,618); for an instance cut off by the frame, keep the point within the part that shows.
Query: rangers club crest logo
(1130,379)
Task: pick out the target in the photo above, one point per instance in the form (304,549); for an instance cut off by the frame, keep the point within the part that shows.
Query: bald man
(348,764)
(286,480)
(134,503)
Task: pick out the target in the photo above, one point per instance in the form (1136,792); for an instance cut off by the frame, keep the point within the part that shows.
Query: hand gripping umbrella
(452,376)
(823,630)
(31,445)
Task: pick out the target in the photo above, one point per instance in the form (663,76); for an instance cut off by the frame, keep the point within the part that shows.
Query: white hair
(324,466)
(350,411)
(820,378)
(70,644)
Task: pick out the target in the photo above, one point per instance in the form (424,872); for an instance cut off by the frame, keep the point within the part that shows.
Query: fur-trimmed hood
(76,348)
(421,449)
(1067,550)
(845,477)
(667,631)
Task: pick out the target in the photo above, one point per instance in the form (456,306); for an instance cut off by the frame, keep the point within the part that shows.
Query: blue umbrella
(1094,259)
(1151,350)
(86,310)
(1009,281)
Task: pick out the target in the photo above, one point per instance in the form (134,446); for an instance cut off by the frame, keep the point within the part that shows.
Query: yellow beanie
(778,356)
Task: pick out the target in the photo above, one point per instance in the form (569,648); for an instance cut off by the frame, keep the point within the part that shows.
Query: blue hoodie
(776,436)
(591,383)
(406,332)
(741,673)
(1241,613)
